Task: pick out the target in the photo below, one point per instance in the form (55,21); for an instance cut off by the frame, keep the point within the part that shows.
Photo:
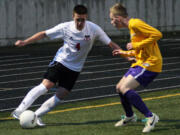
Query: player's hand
(131,59)
(20,43)
(129,46)
(116,52)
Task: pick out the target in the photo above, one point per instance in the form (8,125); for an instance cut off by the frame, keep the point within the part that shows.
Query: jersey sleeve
(56,32)
(128,53)
(148,31)
(102,36)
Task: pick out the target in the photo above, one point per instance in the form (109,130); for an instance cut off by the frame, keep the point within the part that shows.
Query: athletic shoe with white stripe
(124,120)
(150,123)
(15,114)
(40,123)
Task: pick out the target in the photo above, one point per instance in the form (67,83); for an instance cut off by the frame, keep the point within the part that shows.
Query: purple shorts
(143,76)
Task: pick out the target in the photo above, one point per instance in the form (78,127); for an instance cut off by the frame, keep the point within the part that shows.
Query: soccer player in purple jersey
(148,65)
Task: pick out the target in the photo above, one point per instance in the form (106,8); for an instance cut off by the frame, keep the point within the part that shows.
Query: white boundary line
(144,90)
(175,48)
(176,69)
(93,79)
(103,96)
(83,89)
(42,57)
(12,56)
(165,64)
(31,58)
(37,61)
(23,63)
(1,65)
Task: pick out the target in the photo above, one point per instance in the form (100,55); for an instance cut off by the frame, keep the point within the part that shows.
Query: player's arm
(150,32)
(123,53)
(103,37)
(35,37)
(114,45)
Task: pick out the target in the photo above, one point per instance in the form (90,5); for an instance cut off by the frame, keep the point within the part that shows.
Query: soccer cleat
(40,123)
(124,120)
(15,114)
(150,123)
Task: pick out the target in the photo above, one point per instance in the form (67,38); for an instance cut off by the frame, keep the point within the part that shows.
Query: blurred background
(23,68)
(22,18)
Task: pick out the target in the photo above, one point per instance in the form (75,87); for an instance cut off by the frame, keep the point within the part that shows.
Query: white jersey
(77,43)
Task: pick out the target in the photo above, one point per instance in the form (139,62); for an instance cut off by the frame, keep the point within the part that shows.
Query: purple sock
(137,102)
(126,105)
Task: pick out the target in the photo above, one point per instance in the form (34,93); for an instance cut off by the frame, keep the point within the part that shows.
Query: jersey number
(78,47)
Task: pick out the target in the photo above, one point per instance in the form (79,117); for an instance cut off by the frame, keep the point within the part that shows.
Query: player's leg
(139,76)
(125,103)
(50,78)
(31,96)
(51,103)
(127,89)
(127,106)
(66,80)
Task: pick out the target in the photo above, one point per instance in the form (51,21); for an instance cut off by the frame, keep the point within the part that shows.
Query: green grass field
(97,117)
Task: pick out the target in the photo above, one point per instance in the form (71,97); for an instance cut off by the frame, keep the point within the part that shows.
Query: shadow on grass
(166,125)
(176,124)
(82,123)
(87,123)
(163,125)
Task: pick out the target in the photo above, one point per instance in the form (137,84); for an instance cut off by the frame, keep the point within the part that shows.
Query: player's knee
(48,84)
(61,93)
(118,88)
(121,89)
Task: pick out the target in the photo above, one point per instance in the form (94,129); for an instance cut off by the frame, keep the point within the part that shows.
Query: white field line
(169,44)
(176,69)
(175,48)
(102,96)
(18,88)
(23,63)
(31,58)
(101,78)
(12,56)
(167,58)
(145,90)
(10,69)
(35,58)
(88,61)
(28,73)
(42,66)
(47,66)
(86,67)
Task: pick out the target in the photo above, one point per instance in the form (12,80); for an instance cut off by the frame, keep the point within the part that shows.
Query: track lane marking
(102,105)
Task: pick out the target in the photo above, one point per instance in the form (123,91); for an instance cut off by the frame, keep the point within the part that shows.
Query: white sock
(47,106)
(32,95)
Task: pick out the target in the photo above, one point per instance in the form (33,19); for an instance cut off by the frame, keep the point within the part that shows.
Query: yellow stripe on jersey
(144,41)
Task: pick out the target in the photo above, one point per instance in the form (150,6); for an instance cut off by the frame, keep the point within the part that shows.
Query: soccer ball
(28,119)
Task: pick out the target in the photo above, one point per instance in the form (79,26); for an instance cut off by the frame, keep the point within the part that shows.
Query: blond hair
(119,10)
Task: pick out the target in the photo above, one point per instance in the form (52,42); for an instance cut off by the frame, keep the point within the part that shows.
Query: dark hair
(80,9)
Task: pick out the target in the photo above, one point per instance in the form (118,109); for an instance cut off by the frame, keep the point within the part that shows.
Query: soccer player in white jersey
(79,36)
